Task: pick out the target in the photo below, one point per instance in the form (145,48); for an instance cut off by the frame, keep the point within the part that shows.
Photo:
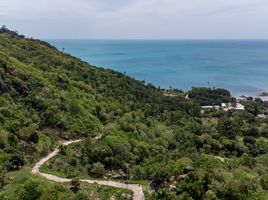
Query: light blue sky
(137,19)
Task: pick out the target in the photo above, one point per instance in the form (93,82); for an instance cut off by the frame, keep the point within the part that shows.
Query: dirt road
(137,190)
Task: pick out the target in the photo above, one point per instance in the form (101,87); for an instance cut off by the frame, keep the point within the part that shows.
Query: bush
(2,179)
(264,182)
(81,196)
(160,172)
(62,149)
(195,184)
(75,185)
(247,160)
(166,194)
(73,162)
(16,161)
(226,128)
(30,190)
(97,170)
(34,138)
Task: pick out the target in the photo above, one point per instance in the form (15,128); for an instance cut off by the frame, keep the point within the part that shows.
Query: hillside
(147,137)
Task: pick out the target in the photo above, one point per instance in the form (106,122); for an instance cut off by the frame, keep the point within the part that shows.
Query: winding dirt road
(137,190)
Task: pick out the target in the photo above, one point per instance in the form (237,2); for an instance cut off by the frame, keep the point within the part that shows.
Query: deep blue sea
(239,66)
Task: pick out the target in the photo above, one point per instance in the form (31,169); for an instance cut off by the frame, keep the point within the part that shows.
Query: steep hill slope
(46,96)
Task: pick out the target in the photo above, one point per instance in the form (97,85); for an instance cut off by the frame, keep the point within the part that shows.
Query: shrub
(75,185)
(97,170)
(30,190)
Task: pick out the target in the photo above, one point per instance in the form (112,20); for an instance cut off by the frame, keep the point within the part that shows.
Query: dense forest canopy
(208,96)
(146,137)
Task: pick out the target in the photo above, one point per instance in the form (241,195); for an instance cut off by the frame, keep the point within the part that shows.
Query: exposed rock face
(3,87)
(181,177)
(126,196)
(117,175)
(172,188)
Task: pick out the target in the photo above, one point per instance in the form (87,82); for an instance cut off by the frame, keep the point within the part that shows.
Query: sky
(137,19)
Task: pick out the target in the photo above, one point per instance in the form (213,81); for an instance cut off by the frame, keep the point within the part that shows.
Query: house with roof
(239,106)
(264,99)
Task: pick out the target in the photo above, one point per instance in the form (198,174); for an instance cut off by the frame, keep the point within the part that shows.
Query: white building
(239,106)
(264,99)
(223,105)
(210,107)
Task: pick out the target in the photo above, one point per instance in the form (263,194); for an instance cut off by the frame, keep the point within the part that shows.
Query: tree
(166,194)
(100,152)
(195,184)
(3,29)
(226,128)
(160,172)
(97,170)
(209,96)
(250,143)
(12,140)
(2,178)
(34,138)
(210,195)
(29,133)
(142,150)
(252,131)
(247,160)
(62,149)
(30,190)
(264,182)
(16,161)
(75,185)
(252,107)
(73,162)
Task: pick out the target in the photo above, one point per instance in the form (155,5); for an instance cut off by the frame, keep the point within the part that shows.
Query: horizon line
(161,39)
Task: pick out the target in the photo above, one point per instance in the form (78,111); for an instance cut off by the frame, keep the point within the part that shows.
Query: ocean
(239,66)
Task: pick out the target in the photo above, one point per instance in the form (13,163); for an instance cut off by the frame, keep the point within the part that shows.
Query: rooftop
(264,98)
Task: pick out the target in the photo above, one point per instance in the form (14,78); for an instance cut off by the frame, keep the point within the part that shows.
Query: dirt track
(137,190)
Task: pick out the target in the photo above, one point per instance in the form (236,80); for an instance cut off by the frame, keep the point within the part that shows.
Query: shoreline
(256,94)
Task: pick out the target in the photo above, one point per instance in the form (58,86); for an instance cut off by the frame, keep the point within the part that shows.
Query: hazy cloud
(137,18)
(236,8)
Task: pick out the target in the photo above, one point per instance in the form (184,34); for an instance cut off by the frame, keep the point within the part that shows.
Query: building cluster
(230,106)
(225,106)
(264,99)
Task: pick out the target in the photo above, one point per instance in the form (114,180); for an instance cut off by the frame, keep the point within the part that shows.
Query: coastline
(238,66)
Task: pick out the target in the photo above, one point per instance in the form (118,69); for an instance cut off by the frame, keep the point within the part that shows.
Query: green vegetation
(24,186)
(146,137)
(208,96)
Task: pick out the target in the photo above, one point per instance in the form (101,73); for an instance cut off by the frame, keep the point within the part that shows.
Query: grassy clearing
(51,190)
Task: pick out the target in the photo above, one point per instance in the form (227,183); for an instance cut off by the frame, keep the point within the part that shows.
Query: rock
(181,177)
(113,198)
(172,188)
(117,175)
(126,196)
(172,178)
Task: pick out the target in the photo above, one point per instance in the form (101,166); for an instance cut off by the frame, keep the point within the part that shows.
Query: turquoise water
(239,66)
